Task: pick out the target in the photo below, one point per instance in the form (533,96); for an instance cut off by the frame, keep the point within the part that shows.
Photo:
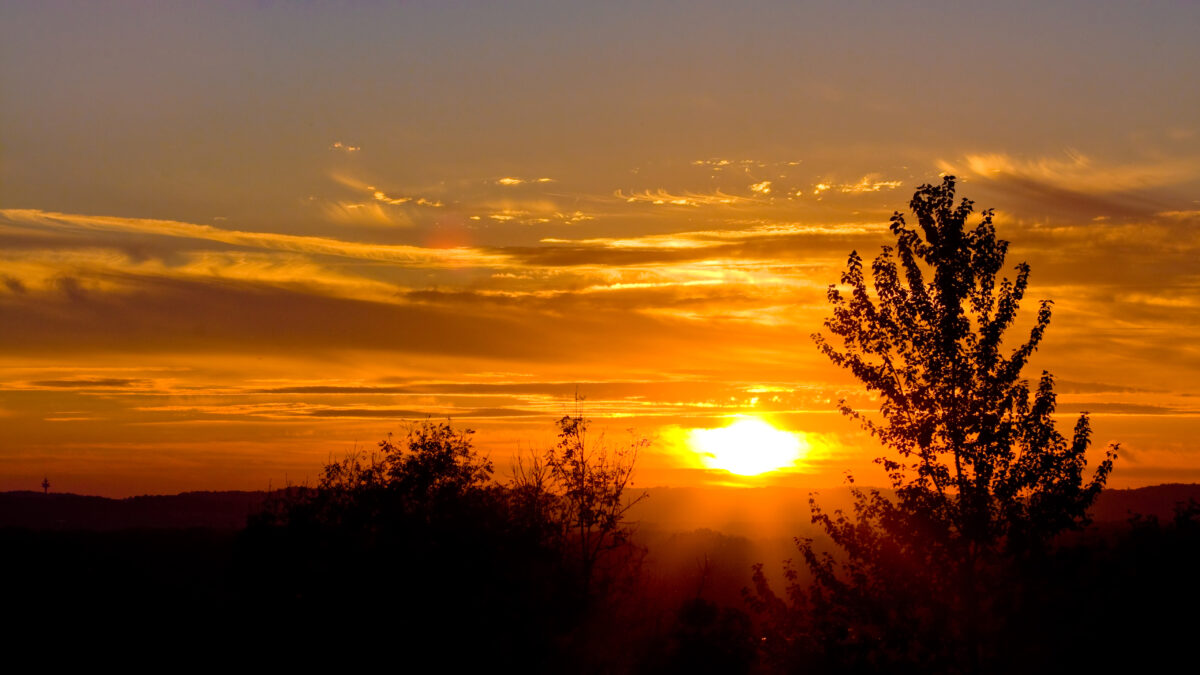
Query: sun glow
(748,447)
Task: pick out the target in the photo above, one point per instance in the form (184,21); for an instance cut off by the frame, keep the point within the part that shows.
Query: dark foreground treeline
(418,558)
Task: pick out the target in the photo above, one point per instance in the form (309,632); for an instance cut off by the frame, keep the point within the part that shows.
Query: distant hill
(213,510)
(1158,501)
(750,512)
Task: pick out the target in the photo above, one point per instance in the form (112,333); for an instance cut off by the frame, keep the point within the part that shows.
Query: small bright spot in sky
(748,447)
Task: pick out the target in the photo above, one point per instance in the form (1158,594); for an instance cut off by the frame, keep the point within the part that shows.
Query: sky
(241,239)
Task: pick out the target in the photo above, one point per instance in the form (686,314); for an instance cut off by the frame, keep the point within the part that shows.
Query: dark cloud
(571,256)
(89,383)
(71,288)
(1072,387)
(322,389)
(1159,474)
(688,390)
(1122,409)
(136,246)
(160,315)
(396,413)
(714,299)
(1029,195)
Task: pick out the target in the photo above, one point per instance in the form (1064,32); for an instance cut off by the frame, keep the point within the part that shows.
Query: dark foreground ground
(171,581)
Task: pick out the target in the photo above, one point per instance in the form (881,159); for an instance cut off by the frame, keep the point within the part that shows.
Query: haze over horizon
(238,240)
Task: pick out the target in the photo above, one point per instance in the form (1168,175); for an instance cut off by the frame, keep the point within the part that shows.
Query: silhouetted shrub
(416,544)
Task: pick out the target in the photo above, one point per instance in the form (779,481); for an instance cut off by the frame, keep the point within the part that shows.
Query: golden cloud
(1076,172)
(661,197)
(512,181)
(408,255)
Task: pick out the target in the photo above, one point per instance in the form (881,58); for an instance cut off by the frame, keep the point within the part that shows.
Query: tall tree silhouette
(980,474)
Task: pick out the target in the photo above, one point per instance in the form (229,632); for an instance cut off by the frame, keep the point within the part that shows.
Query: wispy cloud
(718,164)
(1076,187)
(702,238)
(408,255)
(511,181)
(1077,172)
(869,183)
(362,213)
(381,196)
(661,197)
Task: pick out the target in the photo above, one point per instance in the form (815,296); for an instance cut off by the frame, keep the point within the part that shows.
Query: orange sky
(238,241)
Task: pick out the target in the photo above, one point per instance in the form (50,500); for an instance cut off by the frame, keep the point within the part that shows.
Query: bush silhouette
(415,545)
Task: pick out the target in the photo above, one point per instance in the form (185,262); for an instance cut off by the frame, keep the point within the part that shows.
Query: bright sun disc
(747,447)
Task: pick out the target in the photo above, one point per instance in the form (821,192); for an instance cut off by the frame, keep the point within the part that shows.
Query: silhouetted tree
(576,494)
(590,477)
(429,476)
(435,459)
(981,476)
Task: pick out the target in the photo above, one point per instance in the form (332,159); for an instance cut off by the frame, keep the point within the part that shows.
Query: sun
(748,447)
